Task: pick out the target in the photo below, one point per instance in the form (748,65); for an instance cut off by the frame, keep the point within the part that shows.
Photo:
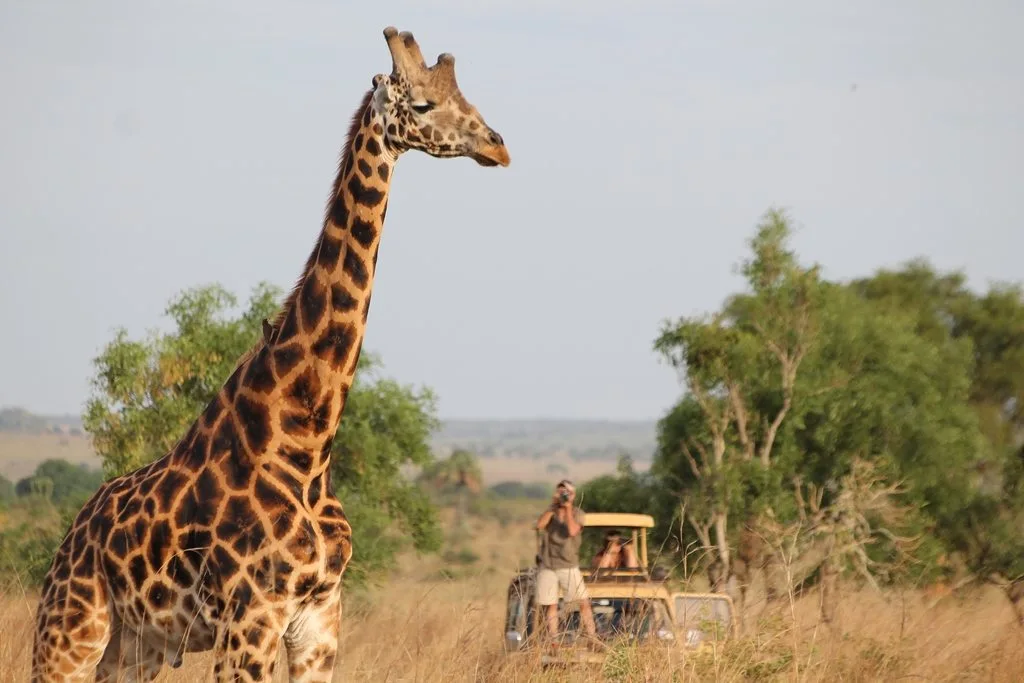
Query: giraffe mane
(289,302)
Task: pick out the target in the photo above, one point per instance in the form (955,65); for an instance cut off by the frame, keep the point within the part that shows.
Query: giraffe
(234,541)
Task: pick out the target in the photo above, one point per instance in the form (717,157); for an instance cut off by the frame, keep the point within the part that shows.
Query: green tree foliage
(147,392)
(27,546)
(458,475)
(990,329)
(993,324)
(460,471)
(797,380)
(386,425)
(7,493)
(740,368)
(625,491)
(61,482)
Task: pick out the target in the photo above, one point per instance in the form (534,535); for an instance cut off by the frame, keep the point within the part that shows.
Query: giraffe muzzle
(492,151)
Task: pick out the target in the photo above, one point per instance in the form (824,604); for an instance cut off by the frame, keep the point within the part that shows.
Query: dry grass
(20,454)
(420,627)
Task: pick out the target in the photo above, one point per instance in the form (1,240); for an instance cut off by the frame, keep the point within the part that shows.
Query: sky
(148,147)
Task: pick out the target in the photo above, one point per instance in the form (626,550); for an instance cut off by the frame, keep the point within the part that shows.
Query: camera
(563,496)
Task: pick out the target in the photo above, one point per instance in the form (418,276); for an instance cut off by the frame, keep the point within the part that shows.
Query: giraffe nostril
(495,139)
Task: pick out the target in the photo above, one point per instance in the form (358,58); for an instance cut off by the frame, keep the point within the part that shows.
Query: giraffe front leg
(312,640)
(129,659)
(247,650)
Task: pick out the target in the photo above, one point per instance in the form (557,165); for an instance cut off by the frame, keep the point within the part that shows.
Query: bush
(27,548)
(518,489)
(62,482)
(461,556)
(7,494)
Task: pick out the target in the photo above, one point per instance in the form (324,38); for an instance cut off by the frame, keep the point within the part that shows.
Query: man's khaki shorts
(569,580)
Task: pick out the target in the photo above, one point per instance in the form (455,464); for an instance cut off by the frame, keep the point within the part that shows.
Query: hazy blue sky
(147,147)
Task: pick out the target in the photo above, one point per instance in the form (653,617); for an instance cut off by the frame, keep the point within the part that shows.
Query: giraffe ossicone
(234,540)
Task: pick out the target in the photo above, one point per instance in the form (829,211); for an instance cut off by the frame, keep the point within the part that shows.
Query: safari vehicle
(634,605)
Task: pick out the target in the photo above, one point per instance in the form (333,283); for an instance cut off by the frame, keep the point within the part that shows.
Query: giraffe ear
(377,79)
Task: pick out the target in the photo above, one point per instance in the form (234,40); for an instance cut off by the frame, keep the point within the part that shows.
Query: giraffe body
(234,540)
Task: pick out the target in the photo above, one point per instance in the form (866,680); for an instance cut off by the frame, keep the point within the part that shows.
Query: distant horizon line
(549,419)
(451,418)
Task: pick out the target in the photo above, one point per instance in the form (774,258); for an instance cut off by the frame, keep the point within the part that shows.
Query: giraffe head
(424,109)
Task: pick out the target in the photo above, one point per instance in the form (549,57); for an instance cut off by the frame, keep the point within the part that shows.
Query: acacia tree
(986,533)
(458,474)
(740,369)
(147,392)
(67,484)
(791,388)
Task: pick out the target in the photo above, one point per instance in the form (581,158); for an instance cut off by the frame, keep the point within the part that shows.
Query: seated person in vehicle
(617,553)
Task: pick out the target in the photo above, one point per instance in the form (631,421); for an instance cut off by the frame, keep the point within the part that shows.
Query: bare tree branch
(702,530)
(693,463)
(798,493)
(740,412)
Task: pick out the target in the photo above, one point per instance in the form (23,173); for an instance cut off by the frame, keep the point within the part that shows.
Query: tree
(987,533)
(459,474)
(147,392)
(739,368)
(624,491)
(807,402)
(943,307)
(69,484)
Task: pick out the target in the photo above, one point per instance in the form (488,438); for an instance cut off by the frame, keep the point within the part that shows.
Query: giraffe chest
(177,574)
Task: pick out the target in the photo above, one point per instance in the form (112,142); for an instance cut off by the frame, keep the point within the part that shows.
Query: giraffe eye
(422,108)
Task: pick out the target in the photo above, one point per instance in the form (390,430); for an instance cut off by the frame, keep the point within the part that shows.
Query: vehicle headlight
(513,640)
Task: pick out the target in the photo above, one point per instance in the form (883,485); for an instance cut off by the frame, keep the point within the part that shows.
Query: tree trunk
(829,591)
(775,580)
(717,576)
(755,556)
(720,570)
(1015,592)
(460,510)
(722,542)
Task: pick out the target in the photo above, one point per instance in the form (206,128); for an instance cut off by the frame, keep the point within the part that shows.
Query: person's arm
(631,561)
(575,527)
(545,518)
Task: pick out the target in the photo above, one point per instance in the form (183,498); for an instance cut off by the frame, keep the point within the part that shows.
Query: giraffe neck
(322,324)
(332,296)
(285,400)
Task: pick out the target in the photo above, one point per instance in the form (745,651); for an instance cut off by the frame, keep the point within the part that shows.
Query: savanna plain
(440,618)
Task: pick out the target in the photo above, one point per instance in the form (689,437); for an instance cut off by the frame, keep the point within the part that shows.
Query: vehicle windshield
(702,617)
(628,618)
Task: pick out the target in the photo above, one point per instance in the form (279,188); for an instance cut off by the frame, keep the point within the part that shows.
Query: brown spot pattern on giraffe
(206,546)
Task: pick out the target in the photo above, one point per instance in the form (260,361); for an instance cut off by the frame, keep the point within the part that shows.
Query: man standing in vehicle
(558,565)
